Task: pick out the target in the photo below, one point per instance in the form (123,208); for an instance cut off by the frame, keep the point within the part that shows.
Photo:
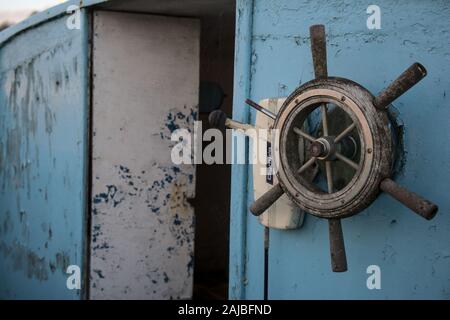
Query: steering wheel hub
(323,197)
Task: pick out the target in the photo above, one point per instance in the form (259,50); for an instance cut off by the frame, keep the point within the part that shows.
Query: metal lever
(256,106)
(409,199)
(403,83)
(266,200)
(218,119)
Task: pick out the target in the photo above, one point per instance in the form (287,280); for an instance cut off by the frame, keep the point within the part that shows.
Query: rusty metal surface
(413,201)
(403,83)
(337,246)
(319,50)
(266,200)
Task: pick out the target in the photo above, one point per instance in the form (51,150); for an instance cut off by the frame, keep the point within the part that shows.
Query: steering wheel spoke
(324,111)
(344,133)
(303,134)
(306,165)
(346,160)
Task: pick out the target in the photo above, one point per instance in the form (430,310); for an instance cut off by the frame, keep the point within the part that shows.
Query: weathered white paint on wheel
(146,80)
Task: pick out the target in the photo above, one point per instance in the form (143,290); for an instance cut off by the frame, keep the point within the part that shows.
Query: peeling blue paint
(166,278)
(178,120)
(176,220)
(99,274)
(43,104)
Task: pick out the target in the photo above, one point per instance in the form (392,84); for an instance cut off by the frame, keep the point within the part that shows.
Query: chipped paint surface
(142,224)
(42,150)
(239,173)
(413,253)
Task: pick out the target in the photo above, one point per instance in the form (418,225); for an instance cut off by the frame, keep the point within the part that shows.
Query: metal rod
(413,201)
(218,119)
(304,134)
(266,200)
(328,169)
(329,174)
(256,106)
(323,108)
(346,160)
(344,133)
(319,50)
(403,83)
(337,246)
(266,262)
(306,165)
(239,125)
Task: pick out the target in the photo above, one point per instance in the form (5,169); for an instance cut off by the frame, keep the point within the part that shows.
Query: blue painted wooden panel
(43,126)
(414,254)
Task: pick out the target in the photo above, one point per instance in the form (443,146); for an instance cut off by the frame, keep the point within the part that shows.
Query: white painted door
(145,85)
